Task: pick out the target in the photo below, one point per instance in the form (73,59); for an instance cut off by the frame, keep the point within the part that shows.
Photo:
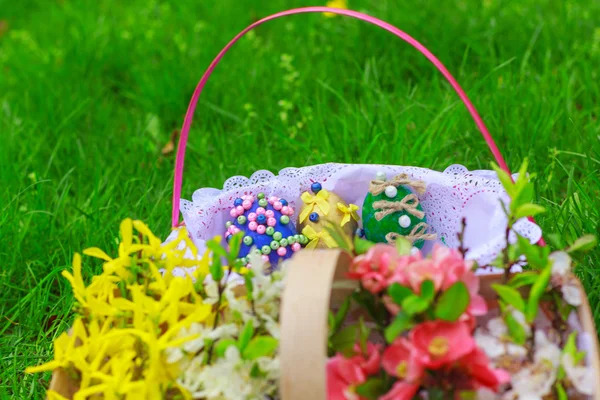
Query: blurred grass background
(91,91)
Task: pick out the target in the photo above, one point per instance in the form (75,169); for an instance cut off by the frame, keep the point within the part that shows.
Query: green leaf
(427,290)
(523,195)
(260,346)
(537,290)
(505,179)
(532,252)
(216,269)
(583,244)
(528,210)
(414,304)
(510,296)
(523,279)
(216,248)
(344,341)
(361,246)
(255,372)
(363,334)
(398,292)
(452,303)
(571,348)
(249,285)
(560,391)
(235,243)
(223,345)
(372,389)
(336,232)
(403,246)
(246,335)
(375,309)
(340,316)
(400,324)
(515,329)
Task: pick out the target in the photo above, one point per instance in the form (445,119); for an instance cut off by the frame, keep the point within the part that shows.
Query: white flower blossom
(537,380)
(497,343)
(571,293)
(561,263)
(582,378)
(201,334)
(230,378)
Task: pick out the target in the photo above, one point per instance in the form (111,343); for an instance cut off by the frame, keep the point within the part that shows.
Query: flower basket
(452,208)
(317,282)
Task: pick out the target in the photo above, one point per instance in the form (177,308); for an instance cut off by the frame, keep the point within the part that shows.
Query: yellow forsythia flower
(342,4)
(129,315)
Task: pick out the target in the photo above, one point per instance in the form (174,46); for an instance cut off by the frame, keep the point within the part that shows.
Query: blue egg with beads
(314,217)
(260,238)
(238,202)
(316,187)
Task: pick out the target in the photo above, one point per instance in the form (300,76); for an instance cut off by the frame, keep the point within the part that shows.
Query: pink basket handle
(372,20)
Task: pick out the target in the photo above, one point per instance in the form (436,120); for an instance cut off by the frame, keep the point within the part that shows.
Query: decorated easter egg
(267,226)
(321,207)
(392,209)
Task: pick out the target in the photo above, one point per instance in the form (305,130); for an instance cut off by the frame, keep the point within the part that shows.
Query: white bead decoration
(391,191)
(381,176)
(404,221)
(414,251)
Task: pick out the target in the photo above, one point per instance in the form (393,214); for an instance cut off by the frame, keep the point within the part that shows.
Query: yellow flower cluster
(128,315)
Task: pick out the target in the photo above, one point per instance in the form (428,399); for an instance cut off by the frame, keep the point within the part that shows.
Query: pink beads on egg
(233,229)
(252,217)
(265,258)
(233,212)
(252,225)
(260,210)
(285,210)
(247,204)
(282,251)
(296,246)
(271,222)
(240,210)
(261,229)
(269,214)
(272,199)
(277,205)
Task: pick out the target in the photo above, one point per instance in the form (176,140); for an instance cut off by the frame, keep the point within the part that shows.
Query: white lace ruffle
(450,196)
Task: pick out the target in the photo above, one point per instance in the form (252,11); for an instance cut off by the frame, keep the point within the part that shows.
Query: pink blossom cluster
(435,353)
(382,266)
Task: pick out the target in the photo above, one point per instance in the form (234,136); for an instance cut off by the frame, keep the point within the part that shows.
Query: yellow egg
(320,209)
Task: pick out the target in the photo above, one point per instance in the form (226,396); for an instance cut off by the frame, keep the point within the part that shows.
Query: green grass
(90,92)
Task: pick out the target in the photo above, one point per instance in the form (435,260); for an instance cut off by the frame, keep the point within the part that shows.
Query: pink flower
(478,366)
(401,391)
(398,361)
(370,362)
(375,267)
(345,374)
(440,343)
(423,270)
(452,262)
(456,269)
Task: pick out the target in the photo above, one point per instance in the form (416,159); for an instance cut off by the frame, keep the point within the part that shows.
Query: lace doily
(450,196)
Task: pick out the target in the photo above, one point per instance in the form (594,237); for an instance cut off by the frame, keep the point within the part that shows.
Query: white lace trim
(450,196)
